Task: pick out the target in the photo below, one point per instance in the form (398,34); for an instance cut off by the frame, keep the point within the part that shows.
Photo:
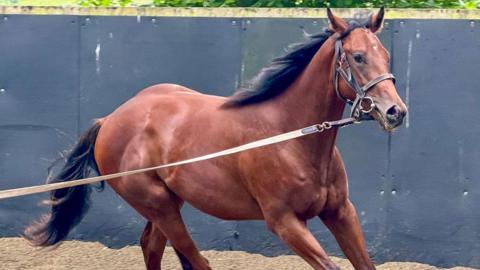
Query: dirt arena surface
(15,253)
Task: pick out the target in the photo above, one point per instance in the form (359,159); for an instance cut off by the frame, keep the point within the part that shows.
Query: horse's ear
(376,21)
(337,24)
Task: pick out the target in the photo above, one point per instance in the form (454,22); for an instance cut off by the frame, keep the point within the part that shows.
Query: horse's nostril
(393,112)
(395,115)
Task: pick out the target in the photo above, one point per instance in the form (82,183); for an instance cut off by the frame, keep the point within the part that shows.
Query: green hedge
(455,4)
(452,4)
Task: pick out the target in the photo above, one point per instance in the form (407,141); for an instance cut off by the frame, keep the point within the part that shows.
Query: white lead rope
(10,193)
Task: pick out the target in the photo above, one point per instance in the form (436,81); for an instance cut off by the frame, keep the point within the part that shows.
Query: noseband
(343,68)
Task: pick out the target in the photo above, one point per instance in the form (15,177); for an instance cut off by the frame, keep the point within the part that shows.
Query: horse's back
(165,88)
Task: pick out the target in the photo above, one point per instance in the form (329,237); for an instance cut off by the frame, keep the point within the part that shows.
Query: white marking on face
(375,47)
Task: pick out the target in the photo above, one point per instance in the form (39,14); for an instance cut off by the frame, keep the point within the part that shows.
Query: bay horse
(284,184)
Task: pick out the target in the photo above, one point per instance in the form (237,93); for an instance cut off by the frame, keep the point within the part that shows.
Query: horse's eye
(358,58)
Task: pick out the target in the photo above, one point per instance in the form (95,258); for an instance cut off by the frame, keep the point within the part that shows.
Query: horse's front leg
(343,223)
(296,235)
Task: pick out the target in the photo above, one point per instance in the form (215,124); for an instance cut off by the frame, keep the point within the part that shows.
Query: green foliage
(104,3)
(458,4)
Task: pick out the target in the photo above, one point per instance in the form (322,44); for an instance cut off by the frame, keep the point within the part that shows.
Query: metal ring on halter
(370,107)
(320,127)
(327,125)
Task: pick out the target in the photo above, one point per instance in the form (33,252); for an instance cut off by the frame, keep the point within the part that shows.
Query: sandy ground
(15,253)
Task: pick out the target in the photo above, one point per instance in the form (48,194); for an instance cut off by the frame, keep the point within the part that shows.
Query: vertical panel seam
(242,30)
(79,72)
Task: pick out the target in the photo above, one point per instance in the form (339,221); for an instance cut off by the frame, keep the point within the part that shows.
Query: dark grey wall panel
(416,191)
(265,39)
(122,55)
(435,158)
(38,105)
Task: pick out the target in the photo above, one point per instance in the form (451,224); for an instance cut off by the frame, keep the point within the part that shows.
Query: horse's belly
(222,197)
(231,210)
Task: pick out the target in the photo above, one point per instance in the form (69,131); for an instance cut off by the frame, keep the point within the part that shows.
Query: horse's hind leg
(149,195)
(174,229)
(153,245)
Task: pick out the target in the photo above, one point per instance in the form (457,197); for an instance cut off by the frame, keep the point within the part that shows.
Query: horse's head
(363,63)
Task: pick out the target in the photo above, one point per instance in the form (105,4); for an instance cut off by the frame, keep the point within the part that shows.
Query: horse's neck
(311,99)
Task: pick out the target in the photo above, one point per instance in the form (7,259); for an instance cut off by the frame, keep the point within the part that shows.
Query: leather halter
(343,68)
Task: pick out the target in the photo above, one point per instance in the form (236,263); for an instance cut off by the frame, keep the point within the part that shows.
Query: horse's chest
(311,201)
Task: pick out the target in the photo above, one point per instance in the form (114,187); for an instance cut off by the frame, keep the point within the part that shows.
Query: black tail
(69,205)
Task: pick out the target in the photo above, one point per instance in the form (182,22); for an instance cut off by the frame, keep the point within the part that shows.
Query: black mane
(275,78)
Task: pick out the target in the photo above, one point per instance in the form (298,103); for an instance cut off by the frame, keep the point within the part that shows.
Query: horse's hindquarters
(158,127)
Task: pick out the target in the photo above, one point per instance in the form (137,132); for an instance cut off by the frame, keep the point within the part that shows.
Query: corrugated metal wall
(417,191)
